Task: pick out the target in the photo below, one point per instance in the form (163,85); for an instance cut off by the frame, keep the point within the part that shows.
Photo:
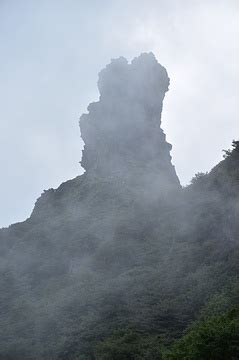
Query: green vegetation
(162,285)
(213,338)
(233,151)
(129,345)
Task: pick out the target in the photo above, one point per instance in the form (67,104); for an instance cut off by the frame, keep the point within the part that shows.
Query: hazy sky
(50,54)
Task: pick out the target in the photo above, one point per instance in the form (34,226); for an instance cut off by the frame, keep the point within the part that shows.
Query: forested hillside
(122,262)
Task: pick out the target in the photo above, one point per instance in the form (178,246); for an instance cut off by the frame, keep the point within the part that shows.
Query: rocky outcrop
(94,245)
(122,133)
(126,155)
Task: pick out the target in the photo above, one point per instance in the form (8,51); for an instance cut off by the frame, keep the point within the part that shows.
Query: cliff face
(126,155)
(122,133)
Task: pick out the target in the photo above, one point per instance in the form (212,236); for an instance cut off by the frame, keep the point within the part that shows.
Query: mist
(120,180)
(51,54)
(122,251)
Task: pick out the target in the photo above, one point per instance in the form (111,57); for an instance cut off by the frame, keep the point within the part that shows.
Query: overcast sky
(50,54)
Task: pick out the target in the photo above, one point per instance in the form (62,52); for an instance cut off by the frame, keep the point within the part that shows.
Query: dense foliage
(215,335)
(127,345)
(214,338)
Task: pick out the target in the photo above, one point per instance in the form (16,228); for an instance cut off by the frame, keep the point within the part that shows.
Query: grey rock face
(122,132)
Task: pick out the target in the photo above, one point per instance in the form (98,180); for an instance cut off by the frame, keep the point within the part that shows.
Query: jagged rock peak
(144,74)
(122,131)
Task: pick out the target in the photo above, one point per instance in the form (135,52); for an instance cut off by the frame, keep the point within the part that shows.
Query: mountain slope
(123,245)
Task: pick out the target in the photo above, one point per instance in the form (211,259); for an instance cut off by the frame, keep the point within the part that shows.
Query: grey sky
(50,54)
